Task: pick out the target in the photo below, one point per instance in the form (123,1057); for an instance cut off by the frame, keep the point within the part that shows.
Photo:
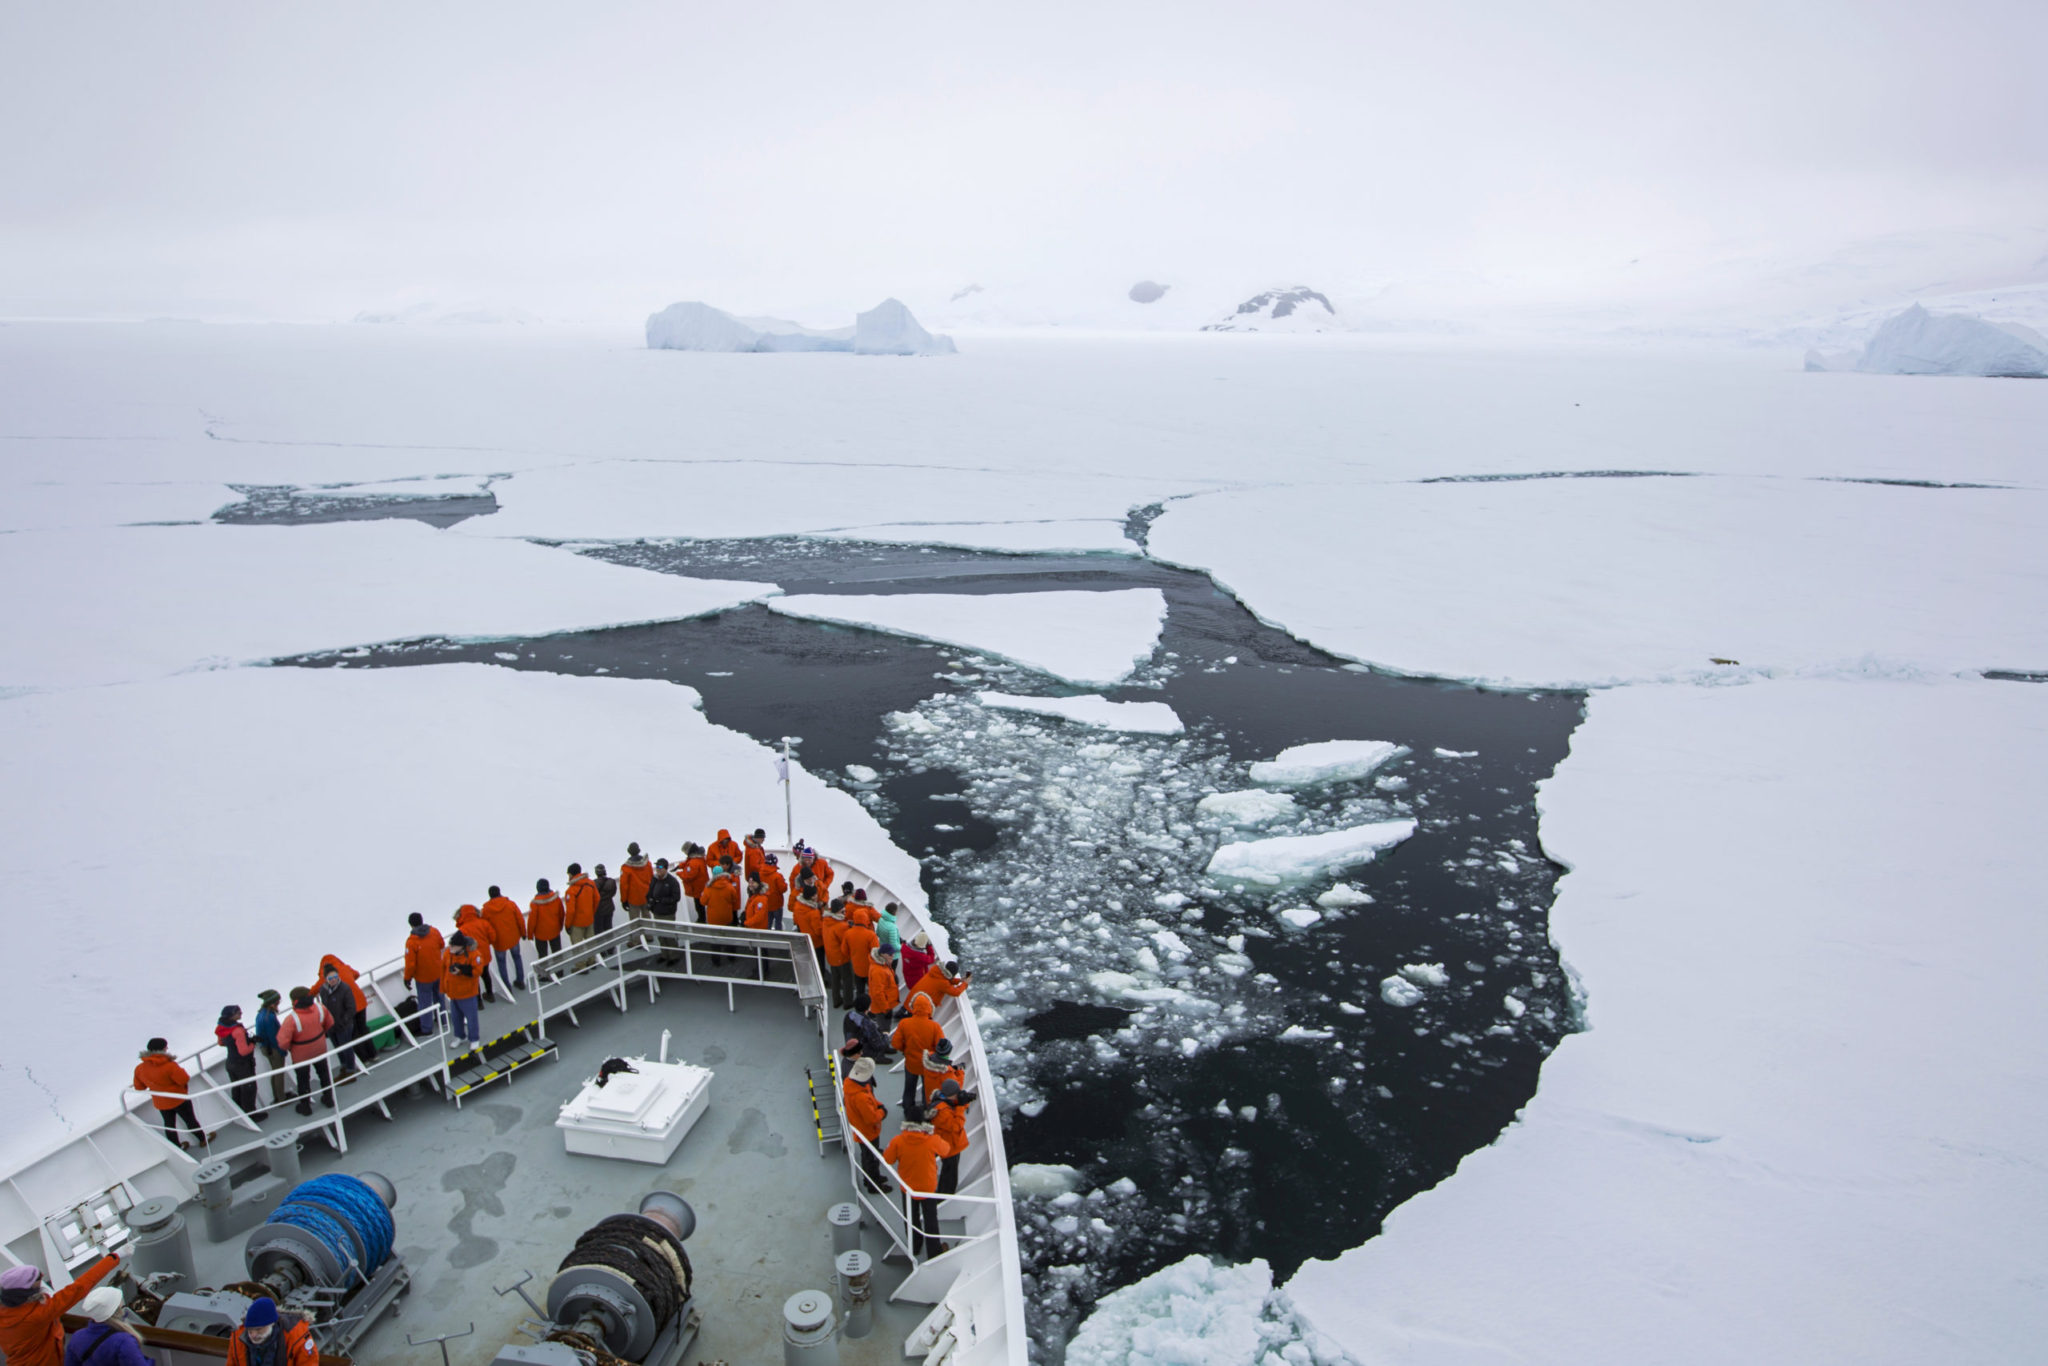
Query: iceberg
(1294,858)
(1917,342)
(888,329)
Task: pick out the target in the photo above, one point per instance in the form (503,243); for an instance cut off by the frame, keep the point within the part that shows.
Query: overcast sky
(595,160)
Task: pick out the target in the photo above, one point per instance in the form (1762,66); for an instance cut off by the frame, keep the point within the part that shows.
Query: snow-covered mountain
(1294,309)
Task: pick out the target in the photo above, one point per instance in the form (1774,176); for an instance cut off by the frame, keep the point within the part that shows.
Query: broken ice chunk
(1252,807)
(1344,895)
(1331,761)
(1399,991)
(1299,857)
(1300,917)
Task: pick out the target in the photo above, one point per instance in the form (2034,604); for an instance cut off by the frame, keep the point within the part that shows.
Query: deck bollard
(845,1222)
(808,1338)
(855,1291)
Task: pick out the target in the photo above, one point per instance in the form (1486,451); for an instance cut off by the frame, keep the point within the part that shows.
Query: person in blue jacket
(266,1040)
(106,1340)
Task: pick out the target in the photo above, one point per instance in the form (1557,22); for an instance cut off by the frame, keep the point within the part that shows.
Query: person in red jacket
(544,920)
(916,1153)
(302,1034)
(949,1121)
(32,1318)
(724,849)
(267,1338)
(883,995)
(636,876)
(425,951)
(470,921)
(159,1074)
(695,874)
(913,1038)
(468,966)
(579,907)
(918,957)
(233,1037)
(508,927)
(864,1115)
(362,1050)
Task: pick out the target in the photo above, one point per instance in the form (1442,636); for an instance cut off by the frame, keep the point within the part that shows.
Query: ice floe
(1043,1179)
(1087,638)
(142,602)
(1252,807)
(1289,858)
(1328,761)
(1152,718)
(1197,1312)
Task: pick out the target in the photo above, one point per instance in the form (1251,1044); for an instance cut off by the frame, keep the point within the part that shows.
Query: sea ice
(1427,974)
(1328,761)
(1702,1160)
(1399,991)
(1087,638)
(1297,857)
(1917,342)
(1043,1179)
(1151,718)
(1300,917)
(1200,1313)
(164,599)
(1253,807)
(1344,895)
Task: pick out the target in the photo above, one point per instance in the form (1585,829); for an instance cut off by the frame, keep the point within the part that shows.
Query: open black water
(1223,1081)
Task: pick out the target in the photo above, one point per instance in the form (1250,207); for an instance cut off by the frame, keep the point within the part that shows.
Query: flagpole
(788,803)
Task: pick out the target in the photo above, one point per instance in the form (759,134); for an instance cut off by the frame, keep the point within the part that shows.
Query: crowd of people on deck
(888,990)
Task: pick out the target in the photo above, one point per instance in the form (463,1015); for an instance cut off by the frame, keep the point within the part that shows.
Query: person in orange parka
(916,1153)
(724,849)
(469,966)
(913,1038)
(470,921)
(694,873)
(775,882)
(943,981)
(359,1028)
(754,856)
(811,861)
(579,901)
(508,927)
(636,876)
(883,996)
(807,909)
(721,899)
(838,969)
(159,1074)
(32,1319)
(861,942)
(949,1121)
(864,1115)
(759,909)
(544,920)
(425,958)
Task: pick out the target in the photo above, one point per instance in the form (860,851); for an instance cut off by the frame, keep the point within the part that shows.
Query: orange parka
(860,942)
(160,1072)
(694,873)
(948,1121)
(721,901)
(776,884)
(883,995)
(582,898)
(471,922)
(724,849)
(863,1111)
(635,877)
(935,983)
(544,916)
(835,940)
(508,926)
(915,1153)
(476,957)
(424,952)
(916,1034)
(299,1347)
(758,909)
(810,918)
(33,1334)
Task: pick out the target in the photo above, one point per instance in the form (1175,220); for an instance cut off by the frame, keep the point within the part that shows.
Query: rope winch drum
(331,1232)
(626,1277)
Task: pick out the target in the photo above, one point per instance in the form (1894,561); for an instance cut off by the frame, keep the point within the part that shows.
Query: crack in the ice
(1558,474)
(49,1095)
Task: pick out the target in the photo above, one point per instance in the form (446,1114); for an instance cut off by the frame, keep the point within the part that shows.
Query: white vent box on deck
(640,1115)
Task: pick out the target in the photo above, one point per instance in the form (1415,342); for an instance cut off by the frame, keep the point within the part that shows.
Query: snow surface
(1151,718)
(1087,638)
(1329,761)
(56,506)
(257,776)
(1806,1122)
(1591,582)
(1253,807)
(1295,858)
(141,602)
(1917,342)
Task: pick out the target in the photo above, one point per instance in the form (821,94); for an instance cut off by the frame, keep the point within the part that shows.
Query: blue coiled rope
(343,1213)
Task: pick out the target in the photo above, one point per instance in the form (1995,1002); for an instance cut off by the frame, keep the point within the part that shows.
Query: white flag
(782,770)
